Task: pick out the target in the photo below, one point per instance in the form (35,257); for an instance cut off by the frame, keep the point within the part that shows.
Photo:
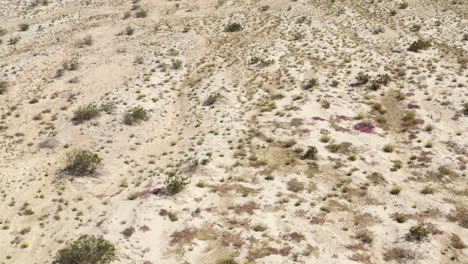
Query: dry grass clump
(400,255)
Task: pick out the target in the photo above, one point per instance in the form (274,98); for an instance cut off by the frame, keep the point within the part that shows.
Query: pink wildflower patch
(364,127)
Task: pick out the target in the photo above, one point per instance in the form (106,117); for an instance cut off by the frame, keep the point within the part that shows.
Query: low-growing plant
(3,87)
(233,27)
(87,250)
(141,13)
(23,27)
(82,162)
(259,228)
(325,138)
(13,40)
(176,183)
(428,190)
(362,78)
(419,232)
(309,84)
(71,65)
(136,115)
(401,218)
(86,41)
(419,45)
(465,109)
(395,190)
(212,98)
(365,236)
(84,113)
(310,154)
(389,148)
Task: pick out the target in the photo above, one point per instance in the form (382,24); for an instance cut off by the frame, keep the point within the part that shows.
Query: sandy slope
(248,143)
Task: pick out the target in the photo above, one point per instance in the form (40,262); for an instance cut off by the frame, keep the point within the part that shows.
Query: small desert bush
(82,162)
(212,98)
(141,13)
(23,27)
(71,65)
(401,218)
(3,87)
(295,186)
(389,148)
(400,255)
(311,153)
(233,27)
(419,45)
(465,109)
(136,115)
(362,78)
(176,183)
(87,250)
(86,41)
(365,236)
(428,190)
(395,190)
(310,84)
(419,232)
(84,113)
(129,30)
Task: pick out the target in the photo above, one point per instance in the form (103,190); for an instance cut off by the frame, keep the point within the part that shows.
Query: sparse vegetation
(82,162)
(86,250)
(419,232)
(85,113)
(136,115)
(419,45)
(233,27)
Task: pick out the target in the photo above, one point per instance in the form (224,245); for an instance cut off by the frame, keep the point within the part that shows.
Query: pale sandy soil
(251,197)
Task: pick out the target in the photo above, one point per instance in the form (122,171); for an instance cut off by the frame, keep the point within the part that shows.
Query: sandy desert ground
(299,131)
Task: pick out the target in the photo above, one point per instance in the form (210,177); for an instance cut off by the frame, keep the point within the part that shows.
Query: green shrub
(14,40)
(375,85)
(419,45)
(233,27)
(84,113)
(362,78)
(388,148)
(311,153)
(409,119)
(383,79)
(403,5)
(23,27)
(176,183)
(401,218)
(3,86)
(87,250)
(141,13)
(310,84)
(212,98)
(136,115)
(82,162)
(419,232)
(465,108)
(428,190)
(395,190)
(71,65)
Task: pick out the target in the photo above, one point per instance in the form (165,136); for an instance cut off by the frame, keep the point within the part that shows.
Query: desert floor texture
(300,131)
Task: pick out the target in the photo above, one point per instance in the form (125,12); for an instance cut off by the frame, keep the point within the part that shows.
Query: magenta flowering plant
(364,127)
